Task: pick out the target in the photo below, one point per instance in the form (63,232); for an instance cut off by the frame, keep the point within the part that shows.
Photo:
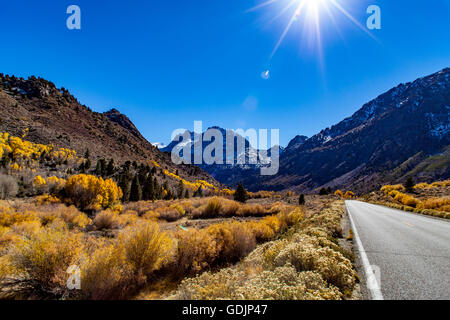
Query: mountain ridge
(53,116)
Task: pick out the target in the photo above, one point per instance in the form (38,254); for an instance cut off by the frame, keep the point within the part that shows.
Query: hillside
(403,132)
(54,116)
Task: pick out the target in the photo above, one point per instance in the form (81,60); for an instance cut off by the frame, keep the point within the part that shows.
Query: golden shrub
(105,274)
(441,204)
(26,228)
(388,188)
(169,214)
(39,181)
(339,194)
(213,207)
(272,222)
(106,219)
(47,199)
(349,195)
(42,260)
(261,231)
(151,215)
(146,248)
(196,251)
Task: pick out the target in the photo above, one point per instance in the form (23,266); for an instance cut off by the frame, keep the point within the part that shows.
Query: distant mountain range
(403,132)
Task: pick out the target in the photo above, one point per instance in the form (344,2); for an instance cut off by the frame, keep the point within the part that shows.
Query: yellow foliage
(45,257)
(388,188)
(349,195)
(441,204)
(339,194)
(47,199)
(87,191)
(39,181)
(146,248)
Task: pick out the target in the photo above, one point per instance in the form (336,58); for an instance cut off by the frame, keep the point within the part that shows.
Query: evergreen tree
(87,154)
(157,189)
(198,192)
(87,164)
(241,194)
(301,200)
(148,193)
(136,190)
(323,192)
(81,168)
(124,184)
(180,189)
(43,157)
(187,195)
(100,169)
(110,168)
(409,184)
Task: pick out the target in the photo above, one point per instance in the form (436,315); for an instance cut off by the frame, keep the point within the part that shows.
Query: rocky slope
(400,133)
(54,116)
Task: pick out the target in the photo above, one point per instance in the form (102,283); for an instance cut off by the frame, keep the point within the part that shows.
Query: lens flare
(309,13)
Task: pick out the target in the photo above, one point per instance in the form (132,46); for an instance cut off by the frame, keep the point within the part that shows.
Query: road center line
(408,224)
(372,283)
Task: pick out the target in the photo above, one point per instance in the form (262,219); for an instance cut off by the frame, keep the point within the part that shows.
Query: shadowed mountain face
(53,115)
(409,123)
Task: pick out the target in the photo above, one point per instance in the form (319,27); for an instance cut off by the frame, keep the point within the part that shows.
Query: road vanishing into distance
(405,256)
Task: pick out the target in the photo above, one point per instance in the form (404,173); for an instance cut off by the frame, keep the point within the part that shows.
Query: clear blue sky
(168,63)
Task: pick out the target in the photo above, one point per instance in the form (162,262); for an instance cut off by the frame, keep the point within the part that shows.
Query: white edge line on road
(372,283)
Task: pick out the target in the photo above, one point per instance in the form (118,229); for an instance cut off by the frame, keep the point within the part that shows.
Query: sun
(308,13)
(313,4)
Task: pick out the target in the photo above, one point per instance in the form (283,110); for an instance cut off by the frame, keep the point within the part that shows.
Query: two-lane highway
(411,251)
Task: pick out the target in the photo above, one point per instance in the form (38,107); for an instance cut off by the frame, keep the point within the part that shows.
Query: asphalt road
(410,253)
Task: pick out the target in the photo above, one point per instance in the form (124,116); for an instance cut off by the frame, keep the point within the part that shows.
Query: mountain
(245,159)
(54,116)
(402,132)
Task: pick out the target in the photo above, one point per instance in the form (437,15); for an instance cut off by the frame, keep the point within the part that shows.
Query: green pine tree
(180,189)
(110,168)
(148,193)
(136,190)
(409,184)
(301,200)
(241,194)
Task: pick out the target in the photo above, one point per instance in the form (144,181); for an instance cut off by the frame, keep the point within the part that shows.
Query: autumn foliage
(91,192)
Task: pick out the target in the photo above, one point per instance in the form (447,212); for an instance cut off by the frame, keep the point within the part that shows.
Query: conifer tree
(180,189)
(110,168)
(136,190)
(241,194)
(148,193)
(409,184)
(301,200)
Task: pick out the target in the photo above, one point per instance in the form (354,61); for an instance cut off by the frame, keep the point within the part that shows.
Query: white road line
(372,283)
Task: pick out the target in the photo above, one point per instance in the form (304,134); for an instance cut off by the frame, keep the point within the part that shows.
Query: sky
(166,64)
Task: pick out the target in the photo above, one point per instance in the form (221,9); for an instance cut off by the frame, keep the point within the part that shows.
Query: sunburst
(309,11)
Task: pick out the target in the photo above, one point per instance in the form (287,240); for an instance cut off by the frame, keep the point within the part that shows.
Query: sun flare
(308,13)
